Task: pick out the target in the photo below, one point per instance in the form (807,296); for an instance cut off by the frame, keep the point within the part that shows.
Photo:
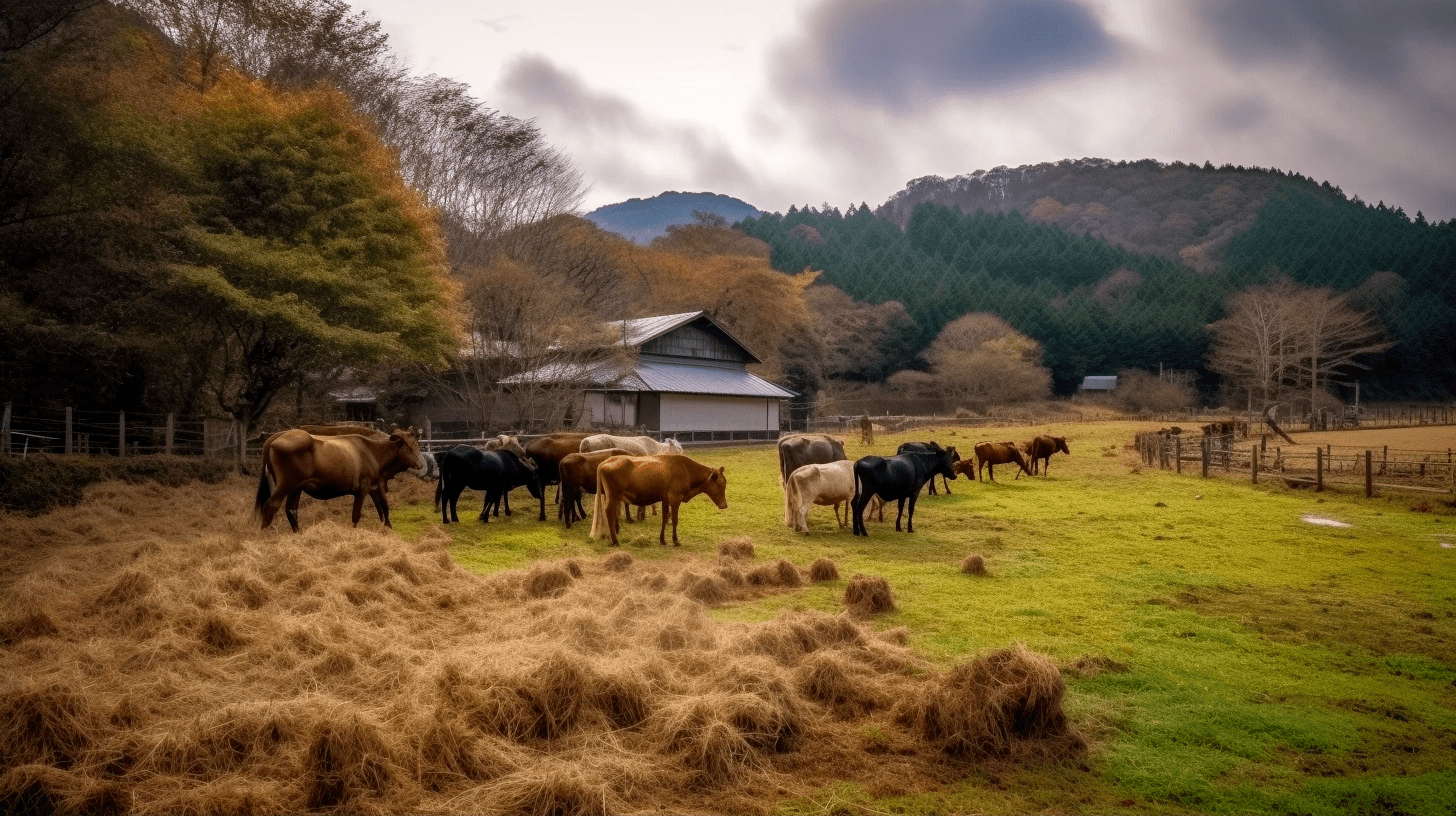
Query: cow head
(673,446)
(1062,445)
(408,447)
(945,460)
(716,488)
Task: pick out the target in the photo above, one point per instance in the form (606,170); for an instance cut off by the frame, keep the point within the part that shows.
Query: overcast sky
(782,102)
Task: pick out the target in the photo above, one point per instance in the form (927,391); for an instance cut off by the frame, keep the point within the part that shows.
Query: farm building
(688,378)
(1098,384)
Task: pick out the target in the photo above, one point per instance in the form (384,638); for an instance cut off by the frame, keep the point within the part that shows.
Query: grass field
(1225,648)
(1238,658)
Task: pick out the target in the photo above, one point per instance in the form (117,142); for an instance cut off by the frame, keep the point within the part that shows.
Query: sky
(806,102)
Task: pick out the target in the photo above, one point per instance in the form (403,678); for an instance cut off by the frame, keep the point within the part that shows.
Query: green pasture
(1242,659)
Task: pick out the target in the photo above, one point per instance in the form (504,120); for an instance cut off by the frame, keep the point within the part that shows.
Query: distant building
(689,380)
(1098,383)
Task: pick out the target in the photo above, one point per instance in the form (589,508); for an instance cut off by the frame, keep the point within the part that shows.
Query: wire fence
(27,430)
(1328,467)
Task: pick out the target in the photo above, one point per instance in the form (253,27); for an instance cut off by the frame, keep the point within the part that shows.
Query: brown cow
(670,478)
(326,467)
(579,475)
(547,452)
(990,454)
(1040,450)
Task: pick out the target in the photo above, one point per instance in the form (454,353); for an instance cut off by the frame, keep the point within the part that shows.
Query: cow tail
(439,487)
(599,509)
(265,490)
(791,502)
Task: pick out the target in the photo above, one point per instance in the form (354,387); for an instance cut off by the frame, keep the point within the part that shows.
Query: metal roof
(673,378)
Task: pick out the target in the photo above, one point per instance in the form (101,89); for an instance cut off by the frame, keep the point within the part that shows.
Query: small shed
(1101,384)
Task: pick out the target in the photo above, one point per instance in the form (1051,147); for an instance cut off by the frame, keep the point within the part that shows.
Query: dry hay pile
(150,669)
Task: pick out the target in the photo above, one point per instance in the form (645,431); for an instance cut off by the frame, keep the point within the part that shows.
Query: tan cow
(635,445)
(578,473)
(670,478)
(824,485)
(990,454)
(326,467)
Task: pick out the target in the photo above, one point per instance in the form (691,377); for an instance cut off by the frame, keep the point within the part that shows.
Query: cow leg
(945,482)
(290,509)
(857,507)
(910,518)
(614,524)
(901,513)
(358,507)
(381,504)
(491,500)
(270,508)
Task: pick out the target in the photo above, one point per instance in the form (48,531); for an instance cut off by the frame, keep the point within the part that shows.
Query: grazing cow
(670,478)
(830,483)
(990,454)
(955,456)
(326,467)
(546,452)
(494,472)
(1040,449)
(797,450)
(636,445)
(579,475)
(897,477)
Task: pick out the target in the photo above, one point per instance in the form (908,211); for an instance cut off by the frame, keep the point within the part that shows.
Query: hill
(1123,265)
(642,219)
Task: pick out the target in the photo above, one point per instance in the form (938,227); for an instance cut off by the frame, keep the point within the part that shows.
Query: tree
(980,357)
(1281,338)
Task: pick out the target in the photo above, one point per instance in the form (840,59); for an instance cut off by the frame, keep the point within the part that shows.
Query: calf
(897,478)
(906,447)
(494,472)
(670,478)
(990,454)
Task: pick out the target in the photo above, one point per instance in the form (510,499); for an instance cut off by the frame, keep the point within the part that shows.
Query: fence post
(1384,458)
(5,432)
(1254,464)
(1319,470)
(121,433)
(1178,453)
(171,427)
(68,428)
(1205,457)
(242,444)
(1369,478)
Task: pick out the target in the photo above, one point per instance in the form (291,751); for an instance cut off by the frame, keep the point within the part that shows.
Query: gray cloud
(904,54)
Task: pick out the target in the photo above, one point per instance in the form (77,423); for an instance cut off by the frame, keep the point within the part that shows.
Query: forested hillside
(1096,306)
(643,219)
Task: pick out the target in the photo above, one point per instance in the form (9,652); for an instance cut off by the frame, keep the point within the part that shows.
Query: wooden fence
(1323,468)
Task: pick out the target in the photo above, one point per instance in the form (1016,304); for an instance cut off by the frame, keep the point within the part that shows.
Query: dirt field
(1425,438)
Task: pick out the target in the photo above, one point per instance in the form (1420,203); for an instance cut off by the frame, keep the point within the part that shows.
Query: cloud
(616,144)
(906,54)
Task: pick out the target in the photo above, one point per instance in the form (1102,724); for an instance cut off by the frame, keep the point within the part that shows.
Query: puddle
(1325,522)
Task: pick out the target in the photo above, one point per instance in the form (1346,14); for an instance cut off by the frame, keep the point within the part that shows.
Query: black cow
(897,478)
(909,447)
(495,472)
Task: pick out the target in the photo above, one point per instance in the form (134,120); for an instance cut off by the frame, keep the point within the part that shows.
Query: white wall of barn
(695,412)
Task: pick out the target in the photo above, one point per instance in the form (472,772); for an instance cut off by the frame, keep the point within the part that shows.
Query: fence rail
(1326,467)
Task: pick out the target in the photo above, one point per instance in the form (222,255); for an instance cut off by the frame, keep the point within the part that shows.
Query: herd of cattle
(622,472)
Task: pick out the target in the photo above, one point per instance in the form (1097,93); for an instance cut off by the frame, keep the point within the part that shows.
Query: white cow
(825,484)
(637,445)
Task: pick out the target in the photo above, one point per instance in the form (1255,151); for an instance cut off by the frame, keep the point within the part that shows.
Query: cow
(830,483)
(955,456)
(547,451)
(326,467)
(797,450)
(670,478)
(579,475)
(494,472)
(1040,449)
(636,445)
(897,477)
(990,454)
(501,442)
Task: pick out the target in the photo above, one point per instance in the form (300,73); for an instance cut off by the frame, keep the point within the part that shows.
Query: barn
(689,379)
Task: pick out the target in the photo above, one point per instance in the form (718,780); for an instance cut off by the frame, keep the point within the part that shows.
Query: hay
(151,666)
(998,705)
(868,595)
(823,570)
(620,561)
(974,564)
(740,548)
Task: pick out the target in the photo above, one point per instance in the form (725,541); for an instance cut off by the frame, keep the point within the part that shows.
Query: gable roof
(637,332)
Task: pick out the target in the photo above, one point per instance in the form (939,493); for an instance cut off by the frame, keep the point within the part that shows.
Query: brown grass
(823,570)
(868,595)
(159,665)
(974,564)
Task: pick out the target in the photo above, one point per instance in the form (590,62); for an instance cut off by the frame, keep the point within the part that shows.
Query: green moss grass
(1260,663)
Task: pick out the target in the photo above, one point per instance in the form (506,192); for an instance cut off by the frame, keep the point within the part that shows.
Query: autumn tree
(1281,339)
(980,357)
